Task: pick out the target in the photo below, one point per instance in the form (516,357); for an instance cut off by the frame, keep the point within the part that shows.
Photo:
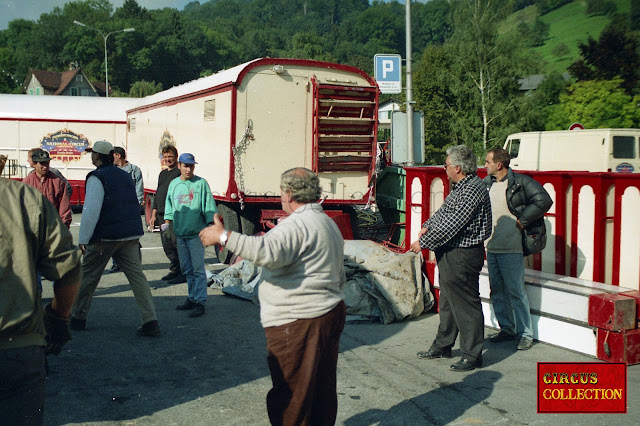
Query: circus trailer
(62,125)
(248,124)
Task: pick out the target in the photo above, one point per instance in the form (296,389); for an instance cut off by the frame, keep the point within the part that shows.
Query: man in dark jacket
(517,202)
(111,226)
(167,236)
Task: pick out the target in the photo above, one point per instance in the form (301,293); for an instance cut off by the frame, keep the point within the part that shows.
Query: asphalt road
(212,370)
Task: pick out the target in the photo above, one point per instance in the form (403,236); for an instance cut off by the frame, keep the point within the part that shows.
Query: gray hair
(303,184)
(461,155)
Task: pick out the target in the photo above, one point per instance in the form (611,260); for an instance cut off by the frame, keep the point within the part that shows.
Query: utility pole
(410,156)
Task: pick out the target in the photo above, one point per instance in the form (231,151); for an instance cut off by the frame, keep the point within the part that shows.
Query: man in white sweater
(301,300)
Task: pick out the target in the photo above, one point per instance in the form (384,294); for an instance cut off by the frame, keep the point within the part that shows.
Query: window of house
(79,77)
(624,147)
(37,90)
(31,91)
(74,91)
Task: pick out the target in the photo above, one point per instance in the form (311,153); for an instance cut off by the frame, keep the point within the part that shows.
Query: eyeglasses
(446,166)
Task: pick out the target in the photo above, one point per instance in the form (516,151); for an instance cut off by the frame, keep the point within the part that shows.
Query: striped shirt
(463,220)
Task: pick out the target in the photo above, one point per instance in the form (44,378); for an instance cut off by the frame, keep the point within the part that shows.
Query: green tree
(433,96)
(142,88)
(595,104)
(614,54)
(485,68)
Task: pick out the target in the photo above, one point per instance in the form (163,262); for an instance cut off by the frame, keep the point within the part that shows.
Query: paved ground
(212,370)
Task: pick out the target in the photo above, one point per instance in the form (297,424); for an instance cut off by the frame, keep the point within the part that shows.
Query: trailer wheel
(249,220)
(148,209)
(232,223)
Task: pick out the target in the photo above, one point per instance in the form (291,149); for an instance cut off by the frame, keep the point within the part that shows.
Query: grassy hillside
(568,25)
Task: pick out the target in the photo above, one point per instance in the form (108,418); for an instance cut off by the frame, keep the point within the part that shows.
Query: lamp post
(106,68)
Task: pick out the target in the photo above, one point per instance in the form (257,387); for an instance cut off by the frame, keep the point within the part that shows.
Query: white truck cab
(593,150)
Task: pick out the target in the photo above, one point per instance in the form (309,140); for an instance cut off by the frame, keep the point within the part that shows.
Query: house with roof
(72,82)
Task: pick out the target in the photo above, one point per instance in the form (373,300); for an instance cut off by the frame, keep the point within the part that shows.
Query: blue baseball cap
(187,158)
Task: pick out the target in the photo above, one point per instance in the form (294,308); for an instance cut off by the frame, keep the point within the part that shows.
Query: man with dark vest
(111,226)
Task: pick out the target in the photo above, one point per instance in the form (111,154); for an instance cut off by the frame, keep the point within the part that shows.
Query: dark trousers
(460,306)
(170,245)
(22,376)
(303,358)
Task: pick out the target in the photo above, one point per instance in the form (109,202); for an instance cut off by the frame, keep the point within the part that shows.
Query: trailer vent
(209,110)
(132,125)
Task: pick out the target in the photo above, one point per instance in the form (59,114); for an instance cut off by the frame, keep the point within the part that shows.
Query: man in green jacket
(33,236)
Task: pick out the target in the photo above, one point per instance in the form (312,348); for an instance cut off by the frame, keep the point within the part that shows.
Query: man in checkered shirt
(456,233)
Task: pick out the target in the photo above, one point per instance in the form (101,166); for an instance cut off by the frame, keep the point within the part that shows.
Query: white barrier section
(630,239)
(548,255)
(415,210)
(585,237)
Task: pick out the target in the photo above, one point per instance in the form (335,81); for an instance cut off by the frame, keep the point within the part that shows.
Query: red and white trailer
(62,125)
(248,124)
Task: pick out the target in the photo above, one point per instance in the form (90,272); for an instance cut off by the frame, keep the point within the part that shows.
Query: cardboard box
(612,312)
(619,346)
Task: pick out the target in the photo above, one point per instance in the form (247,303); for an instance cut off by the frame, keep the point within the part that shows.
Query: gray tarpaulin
(381,284)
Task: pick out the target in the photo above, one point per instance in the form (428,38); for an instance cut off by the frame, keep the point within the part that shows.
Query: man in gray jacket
(301,300)
(517,202)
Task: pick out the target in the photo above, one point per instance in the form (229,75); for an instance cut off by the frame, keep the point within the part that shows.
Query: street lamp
(106,68)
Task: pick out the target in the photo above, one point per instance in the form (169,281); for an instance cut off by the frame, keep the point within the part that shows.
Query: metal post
(106,65)
(410,156)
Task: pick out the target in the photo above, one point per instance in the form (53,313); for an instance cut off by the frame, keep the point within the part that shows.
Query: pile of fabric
(381,285)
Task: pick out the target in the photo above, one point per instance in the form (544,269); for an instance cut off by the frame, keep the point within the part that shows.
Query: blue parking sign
(388,73)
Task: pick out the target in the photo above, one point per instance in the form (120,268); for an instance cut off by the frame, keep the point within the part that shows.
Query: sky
(32,9)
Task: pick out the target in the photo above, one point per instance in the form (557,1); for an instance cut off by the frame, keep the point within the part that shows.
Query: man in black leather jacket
(517,202)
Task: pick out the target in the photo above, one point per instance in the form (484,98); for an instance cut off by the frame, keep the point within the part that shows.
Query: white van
(594,150)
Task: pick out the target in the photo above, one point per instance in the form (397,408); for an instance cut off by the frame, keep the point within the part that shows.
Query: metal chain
(238,150)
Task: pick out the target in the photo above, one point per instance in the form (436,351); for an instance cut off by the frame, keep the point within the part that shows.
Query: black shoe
(77,324)
(198,310)
(113,269)
(177,280)
(434,352)
(150,329)
(466,364)
(186,306)
(525,344)
(503,336)
(171,275)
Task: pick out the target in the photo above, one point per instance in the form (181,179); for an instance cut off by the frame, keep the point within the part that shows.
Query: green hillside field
(570,25)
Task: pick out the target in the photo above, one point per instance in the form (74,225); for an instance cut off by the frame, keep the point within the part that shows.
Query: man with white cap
(111,226)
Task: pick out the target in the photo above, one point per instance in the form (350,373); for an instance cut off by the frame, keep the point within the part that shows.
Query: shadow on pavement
(435,406)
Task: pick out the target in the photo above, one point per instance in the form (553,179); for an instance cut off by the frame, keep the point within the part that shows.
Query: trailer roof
(65,108)
(235,75)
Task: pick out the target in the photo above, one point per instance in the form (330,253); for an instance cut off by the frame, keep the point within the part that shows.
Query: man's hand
(415,247)
(57,328)
(152,221)
(83,247)
(211,234)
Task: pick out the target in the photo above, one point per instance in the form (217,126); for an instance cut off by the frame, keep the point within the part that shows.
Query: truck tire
(148,209)
(231,221)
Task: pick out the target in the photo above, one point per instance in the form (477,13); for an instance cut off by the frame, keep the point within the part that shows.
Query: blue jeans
(508,297)
(191,254)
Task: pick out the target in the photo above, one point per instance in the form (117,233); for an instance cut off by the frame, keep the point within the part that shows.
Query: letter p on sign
(388,73)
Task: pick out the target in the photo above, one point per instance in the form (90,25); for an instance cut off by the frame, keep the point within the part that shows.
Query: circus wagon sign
(65,145)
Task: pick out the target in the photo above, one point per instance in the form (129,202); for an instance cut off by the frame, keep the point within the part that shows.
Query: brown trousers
(303,358)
